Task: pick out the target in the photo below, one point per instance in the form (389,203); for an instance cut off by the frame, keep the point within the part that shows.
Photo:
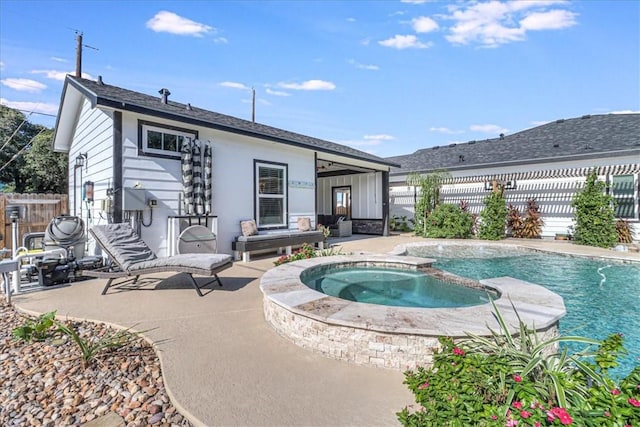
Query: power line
(15,156)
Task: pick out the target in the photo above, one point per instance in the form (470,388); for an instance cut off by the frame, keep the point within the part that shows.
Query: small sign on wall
(302,184)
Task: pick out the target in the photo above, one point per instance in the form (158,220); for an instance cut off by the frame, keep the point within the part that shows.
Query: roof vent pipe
(502,136)
(165,94)
(189,107)
(100,82)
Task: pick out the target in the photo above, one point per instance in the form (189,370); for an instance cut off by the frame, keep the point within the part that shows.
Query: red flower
(458,351)
(517,378)
(607,414)
(494,417)
(615,391)
(517,405)
(634,402)
(423,386)
(525,414)
(561,414)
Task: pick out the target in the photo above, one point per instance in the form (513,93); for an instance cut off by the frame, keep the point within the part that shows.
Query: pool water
(395,287)
(598,303)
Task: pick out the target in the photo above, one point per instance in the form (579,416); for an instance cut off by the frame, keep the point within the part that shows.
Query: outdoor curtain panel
(196,186)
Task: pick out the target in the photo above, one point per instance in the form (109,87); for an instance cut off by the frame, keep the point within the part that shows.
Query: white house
(128,144)
(549,163)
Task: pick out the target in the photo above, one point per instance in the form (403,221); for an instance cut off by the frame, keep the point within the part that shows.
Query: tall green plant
(594,217)
(429,197)
(449,221)
(493,216)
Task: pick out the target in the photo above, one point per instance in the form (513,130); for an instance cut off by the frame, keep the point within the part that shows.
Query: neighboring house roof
(585,137)
(101,94)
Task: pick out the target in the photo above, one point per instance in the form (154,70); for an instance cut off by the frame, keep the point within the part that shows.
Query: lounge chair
(132,257)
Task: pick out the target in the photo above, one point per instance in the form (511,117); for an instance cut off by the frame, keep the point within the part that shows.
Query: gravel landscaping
(44,383)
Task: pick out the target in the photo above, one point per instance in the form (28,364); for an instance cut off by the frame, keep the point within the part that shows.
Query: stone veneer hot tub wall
(392,337)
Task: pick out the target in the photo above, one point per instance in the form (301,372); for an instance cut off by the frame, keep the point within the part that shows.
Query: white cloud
(625,112)
(404,42)
(414,1)
(36,107)
(445,130)
(363,66)
(277,92)
(24,85)
(551,20)
(379,137)
(494,129)
(169,22)
(235,85)
(59,75)
(351,19)
(492,23)
(309,85)
(57,59)
(540,122)
(424,24)
(221,40)
(361,143)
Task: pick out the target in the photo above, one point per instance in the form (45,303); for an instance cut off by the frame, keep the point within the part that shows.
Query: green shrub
(428,199)
(518,380)
(493,217)
(37,330)
(400,223)
(449,221)
(595,221)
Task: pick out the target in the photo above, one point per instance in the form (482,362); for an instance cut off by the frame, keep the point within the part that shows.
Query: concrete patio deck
(224,365)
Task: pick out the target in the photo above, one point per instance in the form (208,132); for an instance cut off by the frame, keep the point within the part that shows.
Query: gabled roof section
(101,94)
(590,136)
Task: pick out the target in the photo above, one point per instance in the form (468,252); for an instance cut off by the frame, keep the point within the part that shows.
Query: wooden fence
(36,211)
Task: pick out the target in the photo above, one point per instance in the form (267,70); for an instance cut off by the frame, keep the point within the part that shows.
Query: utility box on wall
(134,199)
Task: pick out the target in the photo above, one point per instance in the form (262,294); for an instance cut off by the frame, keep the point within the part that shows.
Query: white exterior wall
(93,136)
(232,180)
(554,195)
(365,201)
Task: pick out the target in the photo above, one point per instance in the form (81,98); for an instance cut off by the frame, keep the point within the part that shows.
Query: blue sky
(386,77)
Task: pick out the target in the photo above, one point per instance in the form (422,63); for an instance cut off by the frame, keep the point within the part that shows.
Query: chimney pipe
(100,82)
(165,95)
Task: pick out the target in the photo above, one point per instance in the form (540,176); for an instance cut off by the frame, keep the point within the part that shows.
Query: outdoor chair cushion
(248,227)
(123,244)
(304,223)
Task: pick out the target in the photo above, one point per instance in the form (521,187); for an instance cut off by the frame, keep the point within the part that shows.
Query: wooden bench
(245,244)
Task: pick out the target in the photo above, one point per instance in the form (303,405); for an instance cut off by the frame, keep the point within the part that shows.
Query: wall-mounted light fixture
(81,160)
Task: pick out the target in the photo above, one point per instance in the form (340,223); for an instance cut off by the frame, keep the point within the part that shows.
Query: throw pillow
(249,227)
(304,223)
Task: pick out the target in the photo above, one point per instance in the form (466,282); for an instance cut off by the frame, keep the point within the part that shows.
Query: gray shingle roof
(583,137)
(116,97)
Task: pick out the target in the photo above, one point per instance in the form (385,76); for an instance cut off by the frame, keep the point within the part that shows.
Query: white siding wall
(93,136)
(365,190)
(233,187)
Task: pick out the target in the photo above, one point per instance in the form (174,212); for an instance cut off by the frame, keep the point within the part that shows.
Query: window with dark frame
(271,195)
(161,141)
(623,190)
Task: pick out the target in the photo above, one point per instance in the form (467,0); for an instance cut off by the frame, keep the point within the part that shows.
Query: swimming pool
(601,296)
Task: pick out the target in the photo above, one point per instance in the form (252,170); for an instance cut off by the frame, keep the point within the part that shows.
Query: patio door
(342,201)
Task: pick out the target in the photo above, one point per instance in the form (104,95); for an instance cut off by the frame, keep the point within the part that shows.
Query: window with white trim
(164,141)
(624,191)
(271,194)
